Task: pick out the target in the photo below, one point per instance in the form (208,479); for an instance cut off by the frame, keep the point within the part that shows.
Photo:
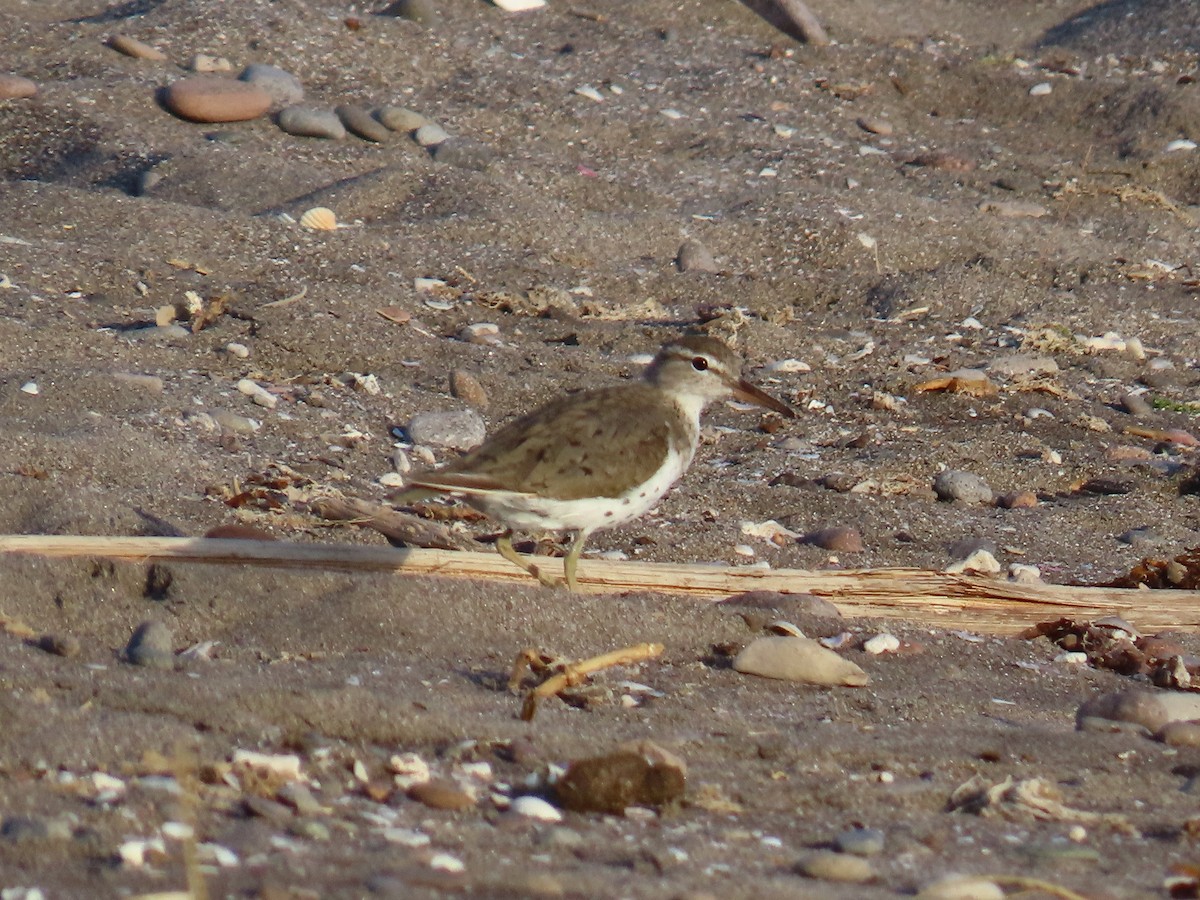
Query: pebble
(1041,89)
(535,808)
(361,123)
(430,135)
(467,388)
(461,429)
(206,62)
(304,121)
(962,887)
(14,87)
(149,383)
(423,12)
(875,125)
(210,98)
(297,795)
(464,154)
(240,351)
(131,46)
(1017,364)
(406,837)
(281,86)
(440,793)
(1180,734)
(64,645)
(1150,709)
(151,646)
(19,829)
(1024,573)
(1136,405)
(798,659)
(1143,536)
(256,392)
(397,118)
(616,781)
(837,539)
(480,333)
(967,487)
(233,423)
(693,256)
(1018,500)
(981,562)
(860,841)
(829,866)
(882,643)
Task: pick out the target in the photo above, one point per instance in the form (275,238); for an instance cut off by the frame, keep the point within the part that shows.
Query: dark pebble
(59,644)
(838,539)
(360,122)
(19,829)
(151,646)
(617,781)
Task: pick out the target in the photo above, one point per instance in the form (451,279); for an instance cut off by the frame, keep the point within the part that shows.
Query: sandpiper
(597,458)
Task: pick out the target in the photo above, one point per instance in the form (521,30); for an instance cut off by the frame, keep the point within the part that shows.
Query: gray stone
(281,86)
(464,154)
(840,867)
(1150,709)
(965,487)
(1136,405)
(361,123)
(20,829)
(461,429)
(693,256)
(860,841)
(398,118)
(1143,536)
(303,121)
(430,135)
(152,646)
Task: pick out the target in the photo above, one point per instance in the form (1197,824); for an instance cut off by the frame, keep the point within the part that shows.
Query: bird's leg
(572,560)
(505,548)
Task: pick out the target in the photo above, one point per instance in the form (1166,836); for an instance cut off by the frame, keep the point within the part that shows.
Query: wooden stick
(933,598)
(577,673)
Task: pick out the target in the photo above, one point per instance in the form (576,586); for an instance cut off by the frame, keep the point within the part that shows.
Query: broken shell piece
(882,643)
(779,626)
(319,218)
(283,765)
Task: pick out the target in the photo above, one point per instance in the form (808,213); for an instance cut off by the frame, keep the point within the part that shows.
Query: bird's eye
(699,363)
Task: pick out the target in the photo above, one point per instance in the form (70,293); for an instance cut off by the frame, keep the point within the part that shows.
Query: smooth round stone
(361,123)
(205,62)
(875,125)
(1150,709)
(828,866)
(860,841)
(962,887)
(467,388)
(210,98)
(151,646)
(837,539)
(430,135)
(457,429)
(1180,734)
(798,659)
(536,808)
(397,118)
(693,256)
(440,793)
(131,46)
(281,86)
(464,154)
(14,87)
(965,487)
(304,121)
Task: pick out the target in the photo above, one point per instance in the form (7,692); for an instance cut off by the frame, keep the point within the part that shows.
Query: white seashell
(788,366)
(444,862)
(518,5)
(535,808)
(586,90)
(283,765)
(882,643)
(319,218)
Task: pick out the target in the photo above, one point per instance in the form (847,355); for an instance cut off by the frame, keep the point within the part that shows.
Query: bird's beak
(744,390)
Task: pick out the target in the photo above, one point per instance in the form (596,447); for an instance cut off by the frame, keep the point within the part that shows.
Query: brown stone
(131,46)
(14,87)
(1018,500)
(210,98)
(619,780)
(441,793)
(838,539)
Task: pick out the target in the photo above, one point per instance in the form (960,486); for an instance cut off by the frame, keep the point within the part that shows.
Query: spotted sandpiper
(598,458)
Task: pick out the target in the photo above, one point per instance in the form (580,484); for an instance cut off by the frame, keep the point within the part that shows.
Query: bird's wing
(557,450)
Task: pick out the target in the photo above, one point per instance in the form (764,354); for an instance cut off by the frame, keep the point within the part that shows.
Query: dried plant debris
(1034,797)
(1112,643)
(564,675)
(1181,572)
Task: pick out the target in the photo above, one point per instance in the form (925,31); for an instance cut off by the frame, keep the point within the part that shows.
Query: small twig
(1034,884)
(578,672)
(286,300)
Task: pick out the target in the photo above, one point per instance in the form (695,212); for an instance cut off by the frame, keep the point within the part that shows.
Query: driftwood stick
(933,598)
(793,18)
(396,526)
